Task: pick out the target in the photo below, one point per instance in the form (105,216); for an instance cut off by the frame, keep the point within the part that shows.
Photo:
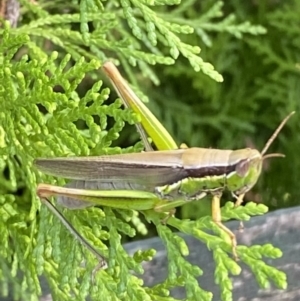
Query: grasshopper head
(247,164)
(246,168)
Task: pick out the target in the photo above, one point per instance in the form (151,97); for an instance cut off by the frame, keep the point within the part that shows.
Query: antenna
(273,137)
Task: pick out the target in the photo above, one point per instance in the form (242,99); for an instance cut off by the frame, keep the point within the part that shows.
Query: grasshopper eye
(242,168)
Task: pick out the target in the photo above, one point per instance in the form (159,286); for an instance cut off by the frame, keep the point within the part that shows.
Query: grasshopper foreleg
(238,202)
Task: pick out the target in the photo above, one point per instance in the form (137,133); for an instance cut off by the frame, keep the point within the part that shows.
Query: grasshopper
(153,180)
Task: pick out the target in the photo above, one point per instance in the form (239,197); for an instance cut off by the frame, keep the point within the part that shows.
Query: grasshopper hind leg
(216,217)
(102,264)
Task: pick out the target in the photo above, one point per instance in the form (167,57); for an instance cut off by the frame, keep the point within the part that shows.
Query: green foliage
(53,104)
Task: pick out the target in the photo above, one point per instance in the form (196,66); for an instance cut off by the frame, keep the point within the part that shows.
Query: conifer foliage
(54,103)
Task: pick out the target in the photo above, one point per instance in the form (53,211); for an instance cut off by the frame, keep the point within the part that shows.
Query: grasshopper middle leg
(216,217)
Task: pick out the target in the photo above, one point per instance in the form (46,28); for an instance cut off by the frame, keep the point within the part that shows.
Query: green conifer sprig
(43,115)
